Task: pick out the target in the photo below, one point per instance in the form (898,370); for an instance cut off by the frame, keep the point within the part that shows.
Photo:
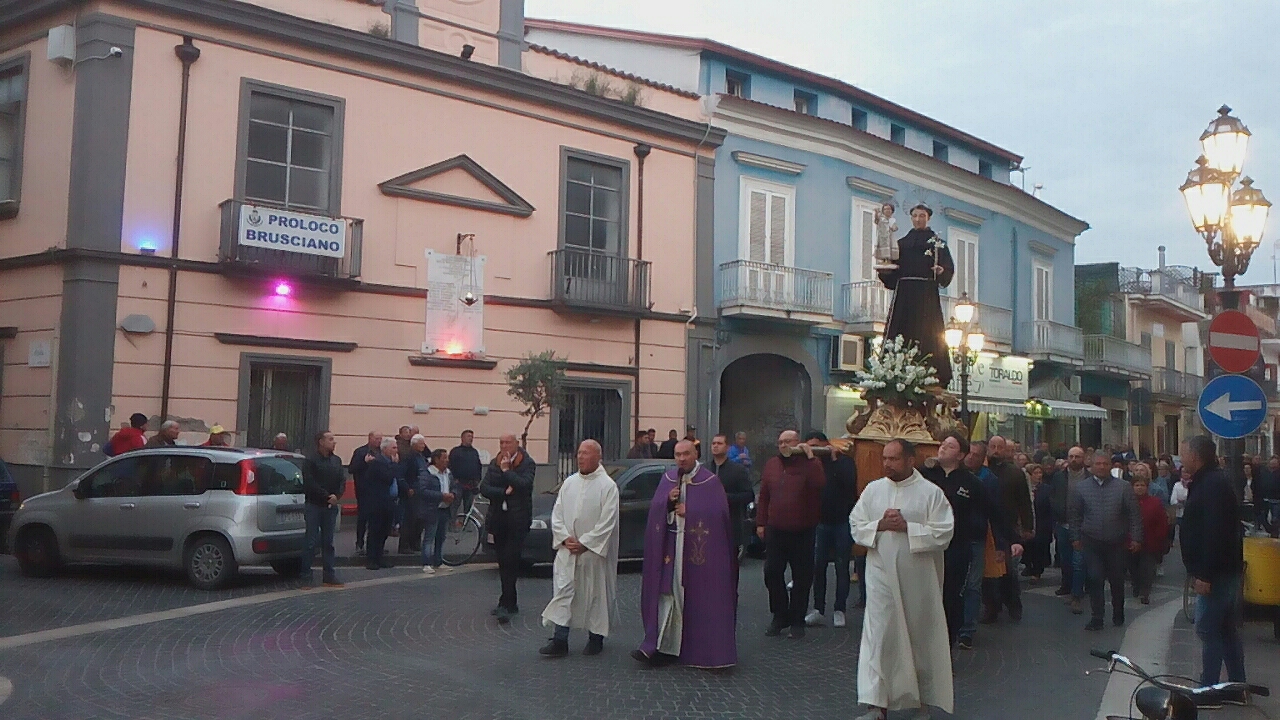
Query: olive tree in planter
(537,382)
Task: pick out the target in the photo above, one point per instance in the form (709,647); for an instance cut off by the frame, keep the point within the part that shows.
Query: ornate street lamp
(1231,223)
(965,342)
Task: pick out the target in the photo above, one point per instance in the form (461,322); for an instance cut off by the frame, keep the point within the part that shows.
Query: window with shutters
(290,148)
(1042,291)
(862,241)
(767,223)
(13,104)
(964,252)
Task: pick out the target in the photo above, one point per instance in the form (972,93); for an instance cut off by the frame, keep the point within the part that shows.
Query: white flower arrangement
(898,372)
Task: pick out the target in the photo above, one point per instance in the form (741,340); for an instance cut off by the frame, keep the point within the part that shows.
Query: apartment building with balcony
(1142,347)
(375,213)
(788,299)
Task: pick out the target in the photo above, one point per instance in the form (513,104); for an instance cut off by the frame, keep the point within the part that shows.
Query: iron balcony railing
(1176,383)
(287,262)
(863,302)
(777,288)
(1045,337)
(1175,282)
(1105,352)
(596,280)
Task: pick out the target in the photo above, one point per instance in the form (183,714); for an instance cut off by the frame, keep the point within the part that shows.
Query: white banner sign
(995,377)
(266,227)
(453,326)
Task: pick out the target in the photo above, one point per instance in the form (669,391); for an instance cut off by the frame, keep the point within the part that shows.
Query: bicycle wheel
(1189,600)
(461,542)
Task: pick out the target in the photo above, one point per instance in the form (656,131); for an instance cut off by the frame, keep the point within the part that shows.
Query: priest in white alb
(905,522)
(584,534)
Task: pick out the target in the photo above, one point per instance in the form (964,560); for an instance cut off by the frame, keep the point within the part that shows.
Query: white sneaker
(428,570)
(814,619)
(839,620)
(444,570)
(1159,571)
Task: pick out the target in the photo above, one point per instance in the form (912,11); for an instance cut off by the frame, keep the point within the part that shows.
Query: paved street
(126,644)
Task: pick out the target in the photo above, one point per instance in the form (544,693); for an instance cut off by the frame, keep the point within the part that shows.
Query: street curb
(1146,642)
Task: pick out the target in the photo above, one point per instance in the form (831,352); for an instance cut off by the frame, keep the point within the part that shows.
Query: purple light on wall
(283,289)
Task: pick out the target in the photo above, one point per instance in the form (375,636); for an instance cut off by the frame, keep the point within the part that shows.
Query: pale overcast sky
(1106,100)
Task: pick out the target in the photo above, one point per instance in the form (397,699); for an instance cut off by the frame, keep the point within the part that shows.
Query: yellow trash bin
(1262,571)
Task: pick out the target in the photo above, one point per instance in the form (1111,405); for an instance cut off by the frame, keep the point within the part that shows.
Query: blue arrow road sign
(1232,406)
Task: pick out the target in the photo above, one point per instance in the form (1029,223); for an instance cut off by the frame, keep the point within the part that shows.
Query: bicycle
(1159,699)
(463,537)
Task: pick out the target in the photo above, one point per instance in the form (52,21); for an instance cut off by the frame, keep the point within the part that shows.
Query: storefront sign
(995,377)
(273,229)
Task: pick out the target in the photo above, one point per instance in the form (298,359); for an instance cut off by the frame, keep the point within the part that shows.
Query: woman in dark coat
(1037,557)
(924,265)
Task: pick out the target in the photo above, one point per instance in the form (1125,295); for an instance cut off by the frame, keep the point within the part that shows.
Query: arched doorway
(762,395)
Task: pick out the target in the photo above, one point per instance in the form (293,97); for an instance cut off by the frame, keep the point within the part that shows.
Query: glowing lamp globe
(964,309)
(954,335)
(283,289)
(1224,142)
(1249,209)
(975,341)
(1208,195)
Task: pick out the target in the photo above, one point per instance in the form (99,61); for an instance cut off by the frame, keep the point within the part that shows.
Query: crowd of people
(937,550)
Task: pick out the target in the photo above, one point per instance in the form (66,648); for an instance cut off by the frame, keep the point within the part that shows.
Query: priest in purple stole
(689,594)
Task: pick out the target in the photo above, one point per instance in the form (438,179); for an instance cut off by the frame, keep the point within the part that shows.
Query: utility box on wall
(62,45)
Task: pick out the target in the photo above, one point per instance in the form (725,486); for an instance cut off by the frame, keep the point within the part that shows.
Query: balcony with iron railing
(1175,288)
(777,292)
(252,258)
(1052,341)
(599,282)
(1176,384)
(865,304)
(1107,355)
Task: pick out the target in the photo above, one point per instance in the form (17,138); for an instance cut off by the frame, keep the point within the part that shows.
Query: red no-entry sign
(1233,341)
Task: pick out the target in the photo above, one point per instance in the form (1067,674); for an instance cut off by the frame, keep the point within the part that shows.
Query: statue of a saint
(886,248)
(924,265)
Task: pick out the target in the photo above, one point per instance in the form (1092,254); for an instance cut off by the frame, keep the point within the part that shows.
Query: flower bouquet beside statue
(902,394)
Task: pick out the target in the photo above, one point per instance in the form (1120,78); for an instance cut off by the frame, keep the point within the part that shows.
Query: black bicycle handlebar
(1231,692)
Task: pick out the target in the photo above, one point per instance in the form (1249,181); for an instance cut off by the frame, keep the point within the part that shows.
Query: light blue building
(788,299)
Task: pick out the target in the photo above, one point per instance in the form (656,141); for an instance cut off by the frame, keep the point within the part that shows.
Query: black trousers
(508,541)
(379,527)
(783,548)
(1105,563)
(362,522)
(955,574)
(410,528)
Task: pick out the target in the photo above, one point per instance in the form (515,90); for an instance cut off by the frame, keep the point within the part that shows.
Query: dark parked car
(9,502)
(637,481)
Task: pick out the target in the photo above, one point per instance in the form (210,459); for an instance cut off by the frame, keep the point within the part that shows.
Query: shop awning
(1063,408)
(998,406)
(1058,408)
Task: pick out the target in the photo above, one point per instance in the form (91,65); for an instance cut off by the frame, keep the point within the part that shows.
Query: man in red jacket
(787,512)
(128,439)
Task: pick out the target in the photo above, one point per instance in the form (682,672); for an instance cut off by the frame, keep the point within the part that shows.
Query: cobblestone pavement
(418,647)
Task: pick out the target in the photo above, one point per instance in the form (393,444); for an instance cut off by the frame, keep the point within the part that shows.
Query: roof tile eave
(840,86)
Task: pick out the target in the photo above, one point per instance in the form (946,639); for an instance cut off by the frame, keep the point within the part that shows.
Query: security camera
(115,52)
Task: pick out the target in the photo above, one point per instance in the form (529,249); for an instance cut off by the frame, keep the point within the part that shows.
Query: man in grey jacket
(1061,485)
(1105,526)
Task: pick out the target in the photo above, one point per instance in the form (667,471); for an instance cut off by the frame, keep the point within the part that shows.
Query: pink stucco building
(149,147)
